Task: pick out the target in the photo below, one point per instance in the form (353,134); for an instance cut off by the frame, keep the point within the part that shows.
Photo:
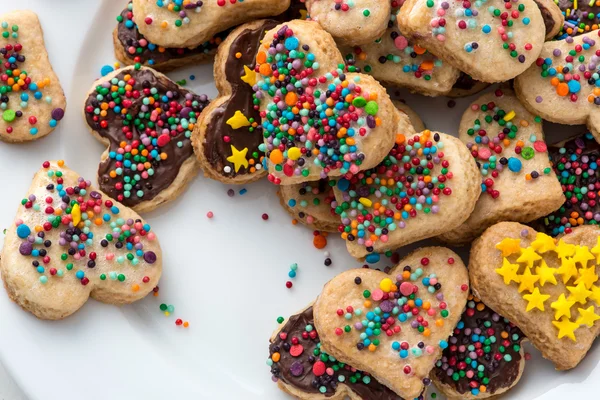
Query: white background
(226,275)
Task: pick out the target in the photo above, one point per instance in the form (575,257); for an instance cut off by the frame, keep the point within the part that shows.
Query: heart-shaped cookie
(351,22)
(179,23)
(305,371)
(485,356)
(394,326)
(70,242)
(427,185)
(32,101)
(575,163)
(561,85)
(508,144)
(493,40)
(548,287)
(318,121)
(146,120)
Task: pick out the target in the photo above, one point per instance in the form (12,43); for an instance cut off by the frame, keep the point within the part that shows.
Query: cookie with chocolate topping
(484,357)
(146,120)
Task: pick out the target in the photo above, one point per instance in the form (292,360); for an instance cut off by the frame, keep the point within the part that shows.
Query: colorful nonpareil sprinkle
(296,358)
(148,121)
(483,355)
(568,72)
(90,232)
(140,50)
(313,119)
(410,181)
(576,166)
(310,195)
(510,14)
(540,265)
(496,148)
(580,16)
(18,91)
(409,57)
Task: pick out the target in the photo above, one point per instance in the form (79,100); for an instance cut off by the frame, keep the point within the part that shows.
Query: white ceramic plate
(226,276)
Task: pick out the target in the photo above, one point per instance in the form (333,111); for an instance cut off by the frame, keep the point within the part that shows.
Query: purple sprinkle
(26,248)
(386,306)
(371,122)
(58,114)
(95,195)
(297,369)
(185,112)
(539,99)
(524,233)
(150,257)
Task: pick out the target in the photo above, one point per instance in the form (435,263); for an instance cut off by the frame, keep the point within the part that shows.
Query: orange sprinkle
(319,241)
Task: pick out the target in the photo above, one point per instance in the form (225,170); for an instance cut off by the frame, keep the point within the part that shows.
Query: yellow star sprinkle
(595,296)
(582,256)
(587,276)
(543,243)
(562,307)
(579,293)
(564,250)
(509,246)
(249,76)
(568,270)
(536,300)
(238,158)
(566,328)
(546,274)
(508,271)
(528,281)
(587,316)
(529,257)
(238,120)
(596,250)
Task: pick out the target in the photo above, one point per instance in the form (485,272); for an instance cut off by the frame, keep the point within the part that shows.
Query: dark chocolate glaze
(132,36)
(294,327)
(580,14)
(464,82)
(589,147)
(547,16)
(501,374)
(165,171)
(216,150)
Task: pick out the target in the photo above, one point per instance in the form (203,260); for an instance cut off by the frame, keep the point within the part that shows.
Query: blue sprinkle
(192,77)
(514,164)
(291,43)
(243,191)
(373,258)
(107,69)
(574,86)
(343,184)
(23,231)
(79,274)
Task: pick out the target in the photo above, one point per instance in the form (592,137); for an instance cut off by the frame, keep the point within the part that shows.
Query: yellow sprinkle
(238,120)
(294,153)
(386,285)
(509,116)
(76,214)
(365,202)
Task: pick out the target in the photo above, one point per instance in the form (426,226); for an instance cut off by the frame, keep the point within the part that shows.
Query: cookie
(575,162)
(413,117)
(299,365)
(427,185)
(324,122)
(466,86)
(552,16)
(492,41)
(70,242)
(311,203)
(517,180)
(561,85)
(351,22)
(131,47)
(32,102)
(228,138)
(547,287)
(179,23)
(146,120)
(396,60)
(484,358)
(579,17)
(394,326)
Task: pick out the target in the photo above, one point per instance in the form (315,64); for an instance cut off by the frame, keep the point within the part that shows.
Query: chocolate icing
(572,182)
(165,171)
(294,328)
(579,15)
(464,82)
(501,374)
(216,150)
(131,37)
(547,16)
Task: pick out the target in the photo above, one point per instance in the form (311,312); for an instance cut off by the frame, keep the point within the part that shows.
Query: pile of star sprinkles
(395,306)
(576,306)
(77,212)
(568,71)
(310,119)
(493,136)
(17,88)
(409,181)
